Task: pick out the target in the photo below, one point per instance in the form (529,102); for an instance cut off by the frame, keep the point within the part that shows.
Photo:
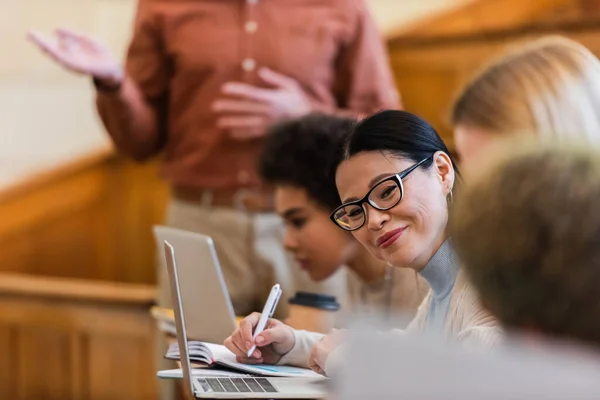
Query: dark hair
(299,153)
(527,230)
(398,132)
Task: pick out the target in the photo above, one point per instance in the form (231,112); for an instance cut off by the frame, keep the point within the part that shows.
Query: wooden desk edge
(76,289)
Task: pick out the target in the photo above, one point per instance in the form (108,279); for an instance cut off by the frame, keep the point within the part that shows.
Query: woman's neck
(368,268)
(424,259)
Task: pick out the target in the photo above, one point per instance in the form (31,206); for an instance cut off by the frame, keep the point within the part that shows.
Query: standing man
(202,81)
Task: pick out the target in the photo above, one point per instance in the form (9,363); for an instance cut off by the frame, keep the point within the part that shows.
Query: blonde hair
(548,86)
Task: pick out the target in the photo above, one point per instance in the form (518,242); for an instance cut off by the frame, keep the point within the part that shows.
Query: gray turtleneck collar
(440,273)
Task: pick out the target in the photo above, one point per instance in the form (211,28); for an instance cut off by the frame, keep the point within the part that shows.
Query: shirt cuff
(102,87)
(298,355)
(334,361)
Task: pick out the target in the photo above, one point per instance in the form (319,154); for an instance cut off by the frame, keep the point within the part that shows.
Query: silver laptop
(205,298)
(231,387)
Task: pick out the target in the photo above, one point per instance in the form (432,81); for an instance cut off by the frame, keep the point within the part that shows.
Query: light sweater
(399,297)
(466,321)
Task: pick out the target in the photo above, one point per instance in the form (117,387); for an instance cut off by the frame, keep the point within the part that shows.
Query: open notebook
(218,355)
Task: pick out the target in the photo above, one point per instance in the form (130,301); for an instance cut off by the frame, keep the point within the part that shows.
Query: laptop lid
(179,317)
(205,299)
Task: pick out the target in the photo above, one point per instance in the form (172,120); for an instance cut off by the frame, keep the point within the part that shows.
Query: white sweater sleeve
(484,336)
(334,360)
(298,355)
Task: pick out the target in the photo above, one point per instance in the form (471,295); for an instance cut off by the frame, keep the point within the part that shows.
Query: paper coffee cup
(313,312)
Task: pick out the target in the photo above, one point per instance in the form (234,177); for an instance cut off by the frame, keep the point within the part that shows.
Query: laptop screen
(178,311)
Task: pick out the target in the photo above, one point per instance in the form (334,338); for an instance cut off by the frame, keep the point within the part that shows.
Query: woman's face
(471,142)
(408,234)
(319,247)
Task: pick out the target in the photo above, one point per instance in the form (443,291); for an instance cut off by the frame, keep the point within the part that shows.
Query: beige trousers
(250,250)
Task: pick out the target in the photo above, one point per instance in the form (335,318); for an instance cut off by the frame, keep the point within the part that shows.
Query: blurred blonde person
(549,87)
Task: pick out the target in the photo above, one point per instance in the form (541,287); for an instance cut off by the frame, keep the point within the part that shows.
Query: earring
(449,197)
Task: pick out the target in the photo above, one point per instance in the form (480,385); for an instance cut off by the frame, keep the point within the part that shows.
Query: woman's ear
(444,170)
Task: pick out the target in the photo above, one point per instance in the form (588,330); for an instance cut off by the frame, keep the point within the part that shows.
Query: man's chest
(298,38)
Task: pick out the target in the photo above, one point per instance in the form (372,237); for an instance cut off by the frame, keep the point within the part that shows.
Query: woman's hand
(323,348)
(273,343)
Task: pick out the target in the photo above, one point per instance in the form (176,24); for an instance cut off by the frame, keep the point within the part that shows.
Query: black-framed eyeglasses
(385,195)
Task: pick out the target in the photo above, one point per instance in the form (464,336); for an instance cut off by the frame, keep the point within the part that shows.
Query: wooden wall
(477,16)
(89,220)
(429,77)
(65,339)
(77,280)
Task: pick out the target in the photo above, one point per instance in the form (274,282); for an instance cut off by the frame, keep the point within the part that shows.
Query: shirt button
(251,26)
(248,64)
(243,176)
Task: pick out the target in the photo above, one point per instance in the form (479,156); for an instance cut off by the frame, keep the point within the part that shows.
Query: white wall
(46,115)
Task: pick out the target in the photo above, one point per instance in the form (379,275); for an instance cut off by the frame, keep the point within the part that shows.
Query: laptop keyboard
(243,385)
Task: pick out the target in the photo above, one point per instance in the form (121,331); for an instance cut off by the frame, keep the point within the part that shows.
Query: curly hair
(527,230)
(300,153)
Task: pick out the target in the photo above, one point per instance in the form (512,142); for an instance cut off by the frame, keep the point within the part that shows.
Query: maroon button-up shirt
(183,51)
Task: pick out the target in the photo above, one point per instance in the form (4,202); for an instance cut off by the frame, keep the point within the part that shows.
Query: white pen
(267,313)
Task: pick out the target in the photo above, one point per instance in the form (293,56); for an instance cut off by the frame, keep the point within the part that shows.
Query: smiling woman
(395,178)
(295,159)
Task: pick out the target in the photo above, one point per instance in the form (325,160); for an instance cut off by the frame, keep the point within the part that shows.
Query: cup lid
(321,301)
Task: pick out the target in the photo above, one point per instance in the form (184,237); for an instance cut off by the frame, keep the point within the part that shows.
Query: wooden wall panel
(43,369)
(117,360)
(479,17)
(139,201)
(75,340)
(90,220)
(7,361)
(426,92)
(430,77)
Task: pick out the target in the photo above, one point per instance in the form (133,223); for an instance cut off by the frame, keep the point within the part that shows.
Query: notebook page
(197,352)
(219,352)
(225,357)
(272,370)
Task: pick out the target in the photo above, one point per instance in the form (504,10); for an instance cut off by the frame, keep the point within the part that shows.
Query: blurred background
(77,272)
